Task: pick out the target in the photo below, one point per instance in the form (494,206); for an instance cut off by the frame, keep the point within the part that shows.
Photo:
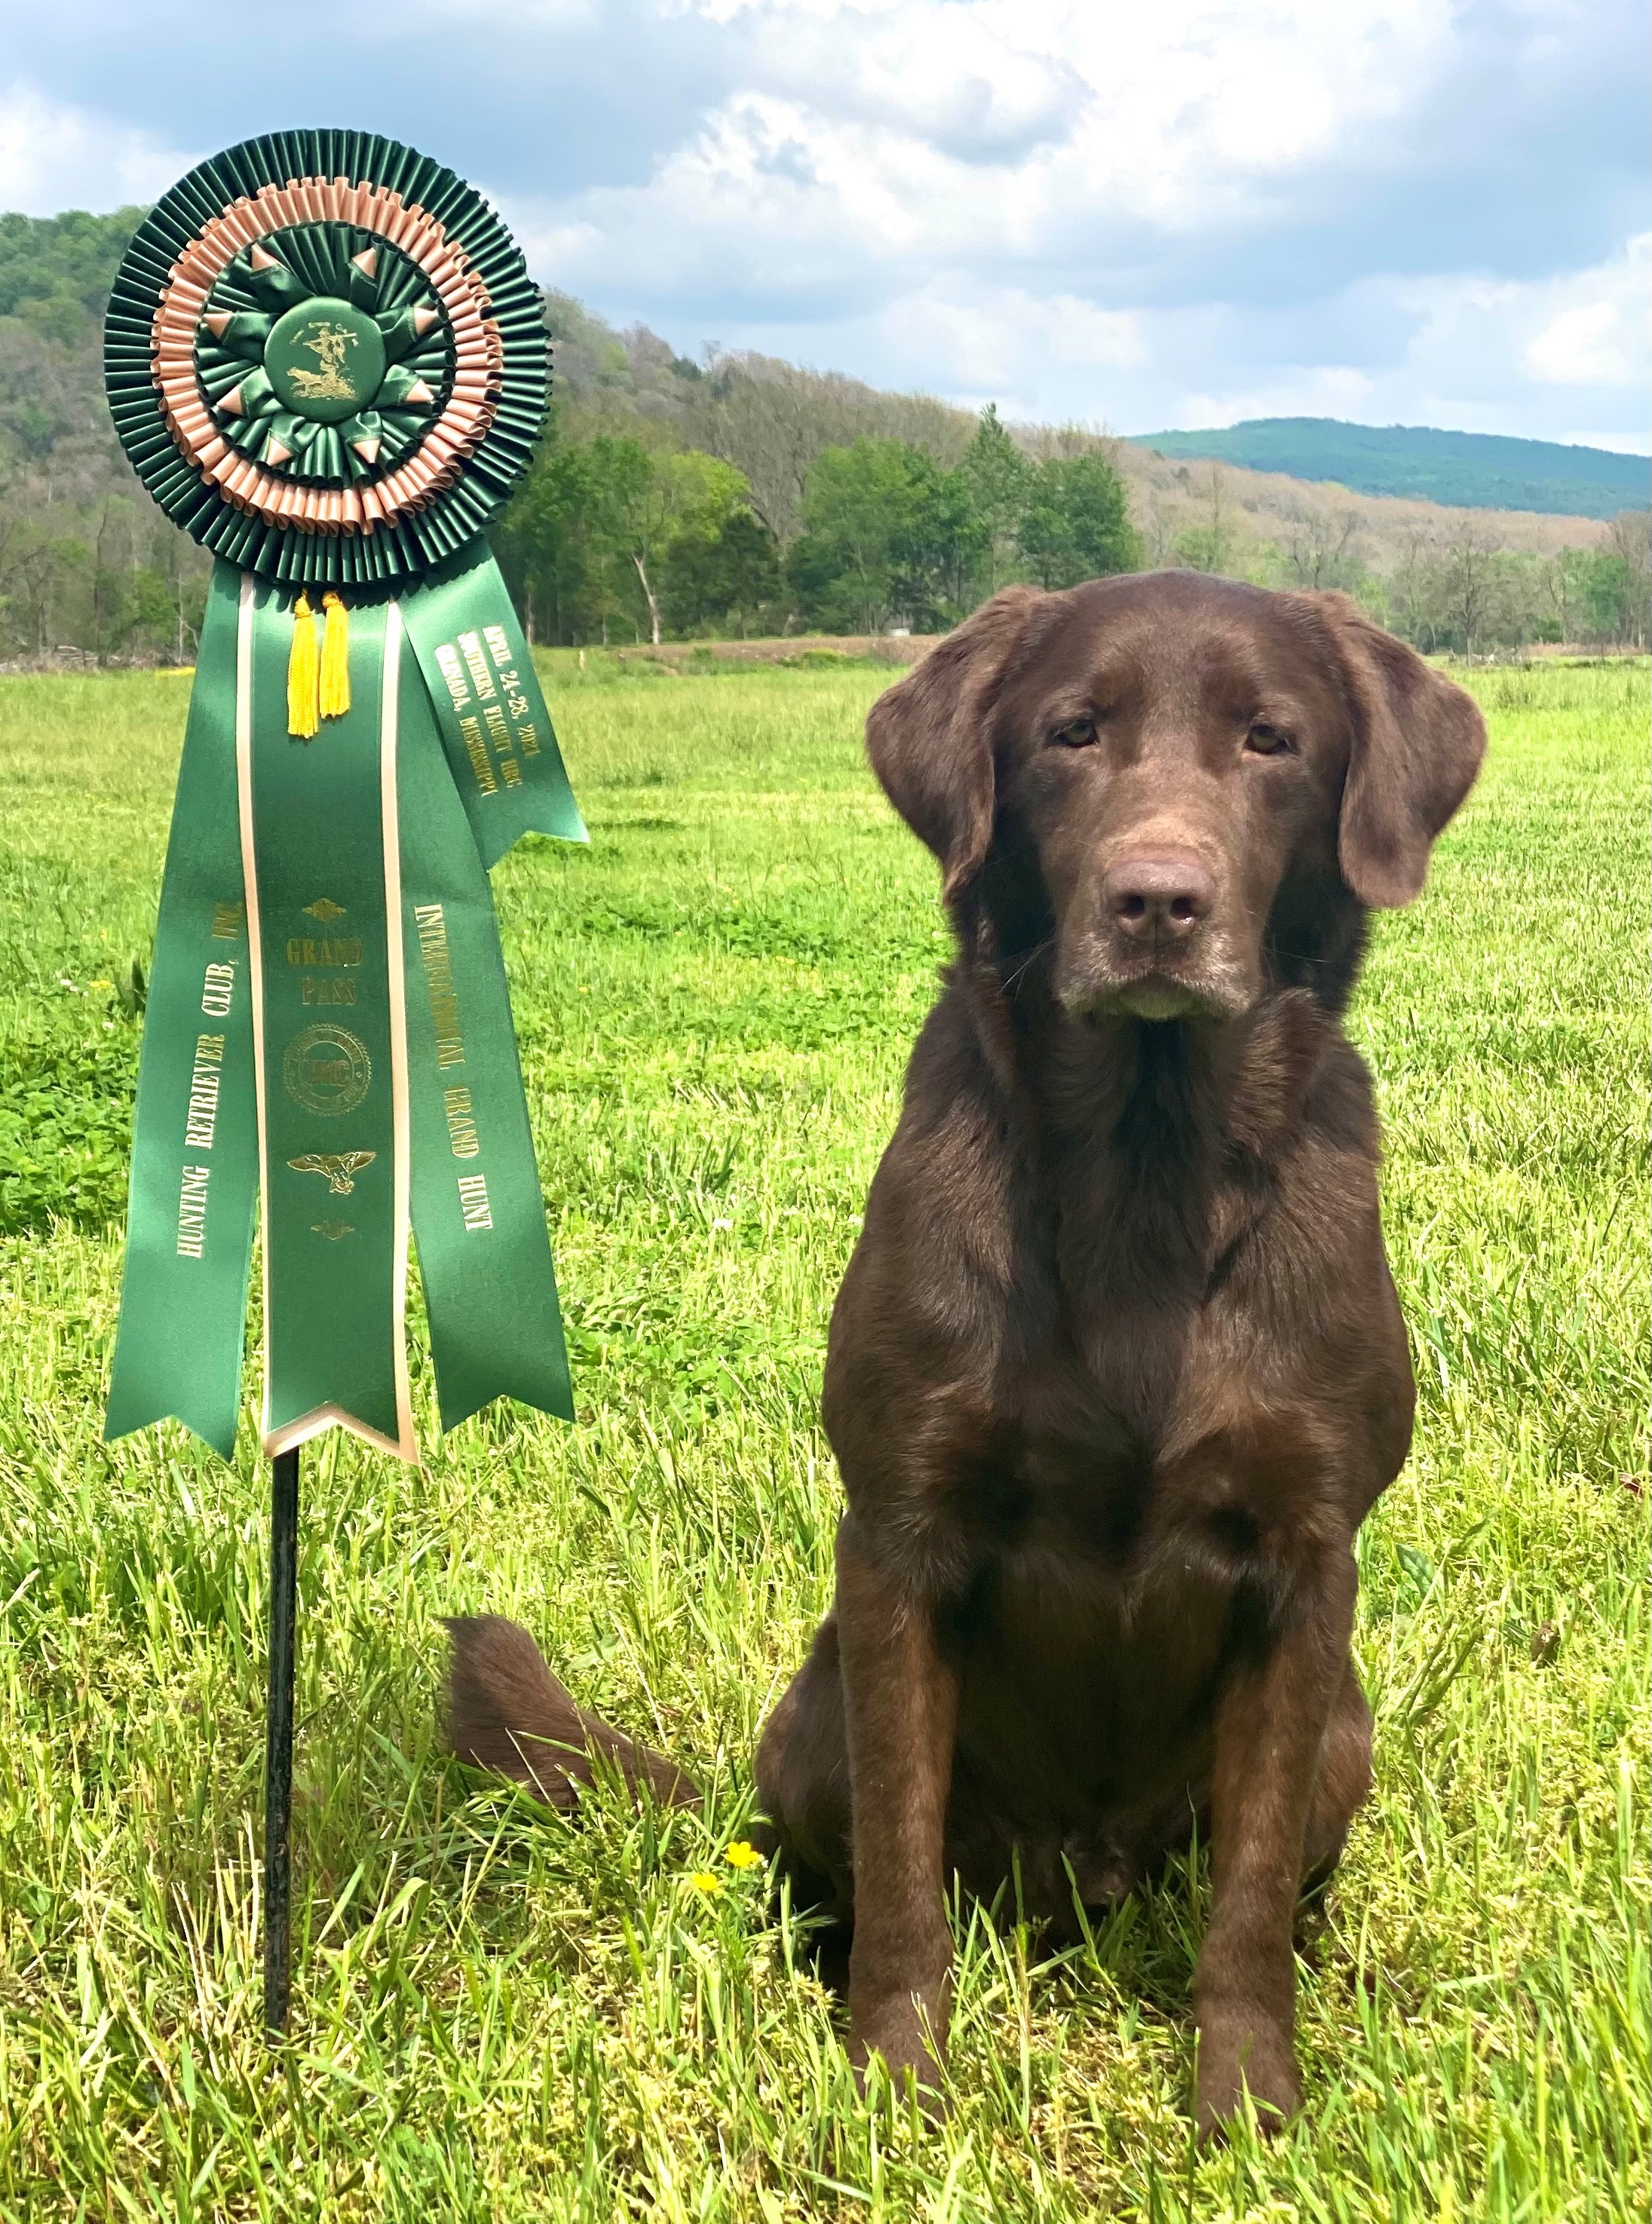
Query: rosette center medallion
(323,354)
(325,359)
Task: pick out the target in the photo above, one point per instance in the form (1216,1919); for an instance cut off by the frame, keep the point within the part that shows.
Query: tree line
(1447,582)
(617,536)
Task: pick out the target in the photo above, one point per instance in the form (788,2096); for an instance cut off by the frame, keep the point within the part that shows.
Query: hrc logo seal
(325,359)
(326,1069)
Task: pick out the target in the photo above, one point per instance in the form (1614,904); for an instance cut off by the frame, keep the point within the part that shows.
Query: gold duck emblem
(339,1167)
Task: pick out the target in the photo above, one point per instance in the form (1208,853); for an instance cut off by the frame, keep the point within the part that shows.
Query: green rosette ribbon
(326,362)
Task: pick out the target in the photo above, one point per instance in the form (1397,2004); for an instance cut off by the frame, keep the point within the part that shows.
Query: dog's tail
(506,1711)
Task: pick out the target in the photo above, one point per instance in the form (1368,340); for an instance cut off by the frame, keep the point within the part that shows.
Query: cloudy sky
(1179,213)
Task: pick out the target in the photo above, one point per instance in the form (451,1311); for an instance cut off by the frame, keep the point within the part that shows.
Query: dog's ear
(1417,745)
(928,737)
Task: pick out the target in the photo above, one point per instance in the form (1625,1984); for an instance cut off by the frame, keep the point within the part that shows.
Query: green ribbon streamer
(382,1047)
(485,1253)
(493,718)
(195,1138)
(334,1229)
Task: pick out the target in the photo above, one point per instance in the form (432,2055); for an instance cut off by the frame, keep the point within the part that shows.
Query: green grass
(502,2016)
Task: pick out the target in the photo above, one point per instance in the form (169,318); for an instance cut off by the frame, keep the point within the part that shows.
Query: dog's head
(1185,789)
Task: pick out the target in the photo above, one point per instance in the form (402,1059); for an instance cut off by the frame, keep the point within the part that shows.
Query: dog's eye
(1266,741)
(1077,734)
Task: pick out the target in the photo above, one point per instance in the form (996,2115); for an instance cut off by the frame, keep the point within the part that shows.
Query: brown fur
(1118,1368)
(506,1711)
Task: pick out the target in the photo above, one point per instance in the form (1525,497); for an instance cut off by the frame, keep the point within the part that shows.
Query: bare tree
(770,419)
(1630,539)
(1213,543)
(1467,582)
(1043,444)
(1319,545)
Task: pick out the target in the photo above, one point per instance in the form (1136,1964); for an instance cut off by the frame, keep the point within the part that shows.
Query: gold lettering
(228,920)
(528,737)
(217,990)
(452,672)
(324,991)
(499,649)
(477,750)
(201,1118)
(335,949)
(192,1212)
(510,772)
(439,982)
(476,663)
(461,1122)
(473,1202)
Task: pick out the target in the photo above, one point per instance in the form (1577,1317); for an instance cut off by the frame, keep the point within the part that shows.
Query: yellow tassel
(302,716)
(334,696)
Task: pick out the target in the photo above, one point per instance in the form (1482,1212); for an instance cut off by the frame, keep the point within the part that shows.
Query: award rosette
(327,364)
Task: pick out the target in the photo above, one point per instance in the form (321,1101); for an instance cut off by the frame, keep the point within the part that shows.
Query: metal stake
(278,1746)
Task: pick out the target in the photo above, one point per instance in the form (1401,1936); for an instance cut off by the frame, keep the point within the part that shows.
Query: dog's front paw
(1240,2054)
(909,2036)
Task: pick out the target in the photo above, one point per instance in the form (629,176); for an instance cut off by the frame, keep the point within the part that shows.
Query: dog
(1118,1368)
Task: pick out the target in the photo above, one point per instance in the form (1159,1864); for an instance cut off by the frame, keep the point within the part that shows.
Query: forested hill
(55,272)
(1463,470)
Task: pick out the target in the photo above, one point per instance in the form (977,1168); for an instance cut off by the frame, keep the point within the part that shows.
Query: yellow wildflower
(739,1856)
(703,1880)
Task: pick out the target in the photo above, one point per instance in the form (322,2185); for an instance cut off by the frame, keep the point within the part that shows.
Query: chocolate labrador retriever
(1118,1368)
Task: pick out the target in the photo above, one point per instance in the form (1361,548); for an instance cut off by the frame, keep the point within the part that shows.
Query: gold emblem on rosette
(330,402)
(326,1069)
(325,359)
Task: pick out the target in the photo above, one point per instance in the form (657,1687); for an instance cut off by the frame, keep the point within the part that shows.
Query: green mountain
(1465,470)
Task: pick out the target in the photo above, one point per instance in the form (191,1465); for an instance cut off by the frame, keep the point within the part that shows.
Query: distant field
(502,2017)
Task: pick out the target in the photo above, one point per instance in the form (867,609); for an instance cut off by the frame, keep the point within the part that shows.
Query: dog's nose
(1158,894)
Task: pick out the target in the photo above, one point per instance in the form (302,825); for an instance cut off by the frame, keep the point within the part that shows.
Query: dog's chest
(1116,1502)
(1124,1510)
(1096,1628)
(1112,1575)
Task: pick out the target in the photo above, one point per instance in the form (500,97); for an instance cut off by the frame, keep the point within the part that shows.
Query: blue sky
(1180,213)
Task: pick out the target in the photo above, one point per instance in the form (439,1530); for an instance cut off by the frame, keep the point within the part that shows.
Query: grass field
(500,2016)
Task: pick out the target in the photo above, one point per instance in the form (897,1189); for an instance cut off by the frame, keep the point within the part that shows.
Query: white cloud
(1588,332)
(1299,390)
(55,157)
(1018,132)
(1446,351)
(1599,335)
(1188,212)
(1580,347)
